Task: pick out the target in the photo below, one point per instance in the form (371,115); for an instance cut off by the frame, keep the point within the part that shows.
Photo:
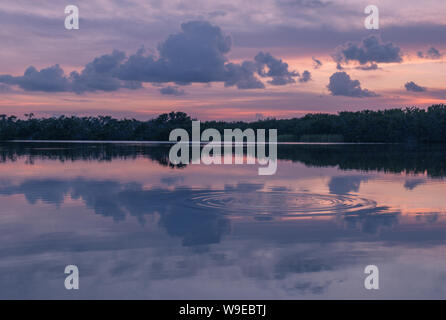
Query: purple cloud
(413,87)
(316,63)
(197,54)
(277,69)
(306,76)
(432,53)
(342,85)
(370,50)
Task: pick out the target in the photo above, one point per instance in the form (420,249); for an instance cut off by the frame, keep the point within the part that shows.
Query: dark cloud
(370,50)
(96,76)
(277,69)
(99,75)
(342,85)
(243,76)
(306,76)
(316,63)
(172,90)
(197,54)
(413,87)
(432,53)
(51,79)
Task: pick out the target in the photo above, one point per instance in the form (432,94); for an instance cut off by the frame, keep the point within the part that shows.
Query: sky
(230,60)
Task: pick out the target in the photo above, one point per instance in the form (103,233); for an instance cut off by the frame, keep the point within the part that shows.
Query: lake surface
(138,227)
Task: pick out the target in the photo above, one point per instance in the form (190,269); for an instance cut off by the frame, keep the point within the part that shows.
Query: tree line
(391,125)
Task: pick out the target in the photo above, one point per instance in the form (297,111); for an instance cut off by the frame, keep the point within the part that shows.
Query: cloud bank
(197,54)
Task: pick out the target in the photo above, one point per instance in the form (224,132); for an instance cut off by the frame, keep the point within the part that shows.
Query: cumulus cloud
(370,50)
(196,54)
(342,85)
(243,76)
(306,76)
(100,75)
(413,87)
(51,79)
(432,53)
(172,90)
(277,69)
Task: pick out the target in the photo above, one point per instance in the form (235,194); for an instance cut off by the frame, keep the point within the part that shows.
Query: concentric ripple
(279,203)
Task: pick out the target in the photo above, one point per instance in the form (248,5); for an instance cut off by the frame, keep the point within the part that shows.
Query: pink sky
(292,31)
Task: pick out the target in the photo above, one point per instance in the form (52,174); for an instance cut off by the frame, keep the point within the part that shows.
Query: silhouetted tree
(392,125)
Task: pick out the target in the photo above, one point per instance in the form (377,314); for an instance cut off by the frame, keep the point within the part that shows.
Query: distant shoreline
(173,142)
(409,125)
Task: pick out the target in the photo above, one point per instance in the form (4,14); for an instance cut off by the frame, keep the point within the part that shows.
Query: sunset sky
(233,59)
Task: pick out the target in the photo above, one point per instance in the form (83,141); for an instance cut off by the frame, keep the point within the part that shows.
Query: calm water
(138,227)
